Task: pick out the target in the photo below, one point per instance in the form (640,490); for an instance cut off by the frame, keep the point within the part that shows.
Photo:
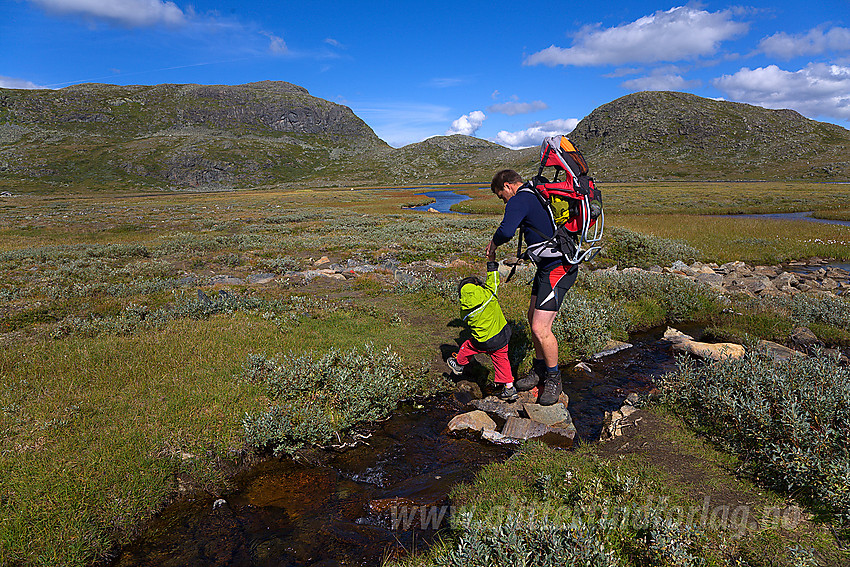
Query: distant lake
(805,216)
(444,201)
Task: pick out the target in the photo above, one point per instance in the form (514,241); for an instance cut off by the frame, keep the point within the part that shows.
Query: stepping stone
(548,415)
(474,420)
(495,406)
(521,428)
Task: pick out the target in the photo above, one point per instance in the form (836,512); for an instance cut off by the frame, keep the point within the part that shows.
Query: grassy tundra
(124,388)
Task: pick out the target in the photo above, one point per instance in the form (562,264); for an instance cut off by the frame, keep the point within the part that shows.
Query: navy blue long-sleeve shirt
(525,207)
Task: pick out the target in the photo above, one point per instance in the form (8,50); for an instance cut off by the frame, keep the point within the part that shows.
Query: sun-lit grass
(761,241)
(115,392)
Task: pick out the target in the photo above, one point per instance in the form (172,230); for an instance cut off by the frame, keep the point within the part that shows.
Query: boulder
(712,279)
(715,351)
(777,351)
(475,420)
(805,339)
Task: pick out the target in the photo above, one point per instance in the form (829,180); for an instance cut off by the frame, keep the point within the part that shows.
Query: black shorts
(551,284)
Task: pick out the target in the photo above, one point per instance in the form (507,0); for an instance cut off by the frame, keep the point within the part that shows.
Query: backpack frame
(574,205)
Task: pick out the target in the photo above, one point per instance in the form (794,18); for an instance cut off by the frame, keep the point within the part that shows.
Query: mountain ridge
(188,136)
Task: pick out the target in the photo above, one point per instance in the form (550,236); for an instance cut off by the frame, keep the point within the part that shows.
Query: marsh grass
(119,386)
(755,241)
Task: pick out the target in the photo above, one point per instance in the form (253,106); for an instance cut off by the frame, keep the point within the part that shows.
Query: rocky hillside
(222,137)
(215,137)
(176,135)
(672,135)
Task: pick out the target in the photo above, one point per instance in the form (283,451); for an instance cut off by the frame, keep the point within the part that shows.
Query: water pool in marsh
(443,201)
(348,507)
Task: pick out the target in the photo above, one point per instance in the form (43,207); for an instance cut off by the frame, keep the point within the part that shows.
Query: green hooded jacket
(481,311)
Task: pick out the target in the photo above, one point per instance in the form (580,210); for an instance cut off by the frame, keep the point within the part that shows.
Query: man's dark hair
(502,177)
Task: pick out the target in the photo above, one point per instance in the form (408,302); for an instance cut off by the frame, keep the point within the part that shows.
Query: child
(490,331)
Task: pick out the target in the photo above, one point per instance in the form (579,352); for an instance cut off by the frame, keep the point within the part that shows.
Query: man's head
(505,184)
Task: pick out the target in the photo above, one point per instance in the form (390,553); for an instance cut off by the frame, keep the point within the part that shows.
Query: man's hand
(491,251)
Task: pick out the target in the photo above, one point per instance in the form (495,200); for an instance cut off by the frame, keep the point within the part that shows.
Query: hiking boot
(551,389)
(532,377)
(454,365)
(508,394)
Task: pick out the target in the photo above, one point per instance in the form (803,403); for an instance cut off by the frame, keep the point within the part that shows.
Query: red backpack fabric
(574,203)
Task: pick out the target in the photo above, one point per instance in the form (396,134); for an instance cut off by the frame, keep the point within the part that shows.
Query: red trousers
(501,364)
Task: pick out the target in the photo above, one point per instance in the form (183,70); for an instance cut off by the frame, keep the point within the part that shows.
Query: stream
(342,507)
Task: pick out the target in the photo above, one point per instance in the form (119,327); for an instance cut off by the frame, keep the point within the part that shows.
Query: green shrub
(586,322)
(592,515)
(790,422)
(314,397)
(627,248)
(806,309)
(681,298)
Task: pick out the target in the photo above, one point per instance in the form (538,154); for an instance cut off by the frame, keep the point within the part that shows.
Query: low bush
(680,298)
(591,515)
(789,422)
(587,323)
(314,397)
(627,248)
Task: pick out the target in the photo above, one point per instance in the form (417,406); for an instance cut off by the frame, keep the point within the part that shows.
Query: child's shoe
(533,378)
(454,365)
(508,394)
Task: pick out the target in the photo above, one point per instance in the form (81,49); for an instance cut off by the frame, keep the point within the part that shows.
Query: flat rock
(495,406)
(521,428)
(475,420)
(226,280)
(261,278)
(548,415)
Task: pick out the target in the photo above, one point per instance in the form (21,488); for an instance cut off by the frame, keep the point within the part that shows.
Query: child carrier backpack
(574,204)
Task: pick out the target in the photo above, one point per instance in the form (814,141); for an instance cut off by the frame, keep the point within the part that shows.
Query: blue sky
(506,71)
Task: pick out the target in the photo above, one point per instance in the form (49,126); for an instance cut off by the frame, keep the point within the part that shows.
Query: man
(553,278)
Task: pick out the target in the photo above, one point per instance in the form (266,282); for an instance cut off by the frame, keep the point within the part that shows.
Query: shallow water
(338,508)
(444,201)
(805,216)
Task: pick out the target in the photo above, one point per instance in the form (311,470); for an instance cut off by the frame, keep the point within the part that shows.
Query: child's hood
(472,295)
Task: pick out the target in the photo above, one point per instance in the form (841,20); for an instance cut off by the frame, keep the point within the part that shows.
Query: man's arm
(515,212)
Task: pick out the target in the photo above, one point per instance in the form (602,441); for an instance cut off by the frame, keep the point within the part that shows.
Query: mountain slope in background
(223,137)
(673,135)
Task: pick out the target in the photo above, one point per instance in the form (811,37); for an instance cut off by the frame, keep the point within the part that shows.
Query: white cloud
(514,108)
(534,135)
(816,90)
(332,41)
(13,83)
(467,124)
(813,42)
(679,33)
(660,82)
(276,44)
(131,13)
